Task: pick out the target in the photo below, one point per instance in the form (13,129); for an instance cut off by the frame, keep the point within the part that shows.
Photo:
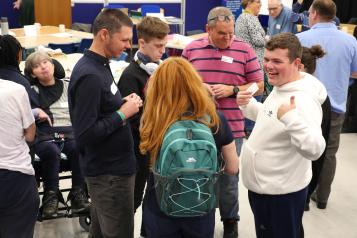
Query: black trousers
(19,204)
(50,155)
(112,209)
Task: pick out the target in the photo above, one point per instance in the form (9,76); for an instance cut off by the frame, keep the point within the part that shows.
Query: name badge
(114,88)
(227,59)
(278,26)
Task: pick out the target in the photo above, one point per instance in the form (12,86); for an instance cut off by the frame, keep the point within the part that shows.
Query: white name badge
(278,26)
(114,88)
(227,59)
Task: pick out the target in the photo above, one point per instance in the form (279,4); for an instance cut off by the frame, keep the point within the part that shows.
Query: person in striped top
(227,65)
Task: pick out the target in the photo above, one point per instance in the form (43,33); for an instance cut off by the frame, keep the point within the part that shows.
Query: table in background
(49,34)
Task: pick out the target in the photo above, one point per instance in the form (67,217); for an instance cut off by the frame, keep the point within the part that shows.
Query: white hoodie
(277,157)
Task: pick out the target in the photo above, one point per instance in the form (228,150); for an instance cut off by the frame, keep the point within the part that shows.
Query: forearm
(305,137)
(30,132)
(251,110)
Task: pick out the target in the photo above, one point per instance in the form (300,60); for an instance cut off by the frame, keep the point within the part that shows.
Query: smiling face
(221,34)
(278,67)
(116,42)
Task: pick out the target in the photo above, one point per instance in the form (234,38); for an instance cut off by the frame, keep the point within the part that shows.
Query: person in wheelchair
(55,136)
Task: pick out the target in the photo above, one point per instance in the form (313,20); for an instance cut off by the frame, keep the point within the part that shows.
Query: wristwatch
(235,90)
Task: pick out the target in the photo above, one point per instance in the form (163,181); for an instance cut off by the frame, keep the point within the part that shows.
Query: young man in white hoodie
(276,160)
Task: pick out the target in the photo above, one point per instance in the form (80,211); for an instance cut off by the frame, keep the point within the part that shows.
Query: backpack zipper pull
(189,133)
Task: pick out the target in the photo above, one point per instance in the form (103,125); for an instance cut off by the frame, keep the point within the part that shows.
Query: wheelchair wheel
(85,222)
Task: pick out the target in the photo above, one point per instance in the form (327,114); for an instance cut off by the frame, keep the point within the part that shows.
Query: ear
(104,34)
(141,42)
(298,63)
(208,29)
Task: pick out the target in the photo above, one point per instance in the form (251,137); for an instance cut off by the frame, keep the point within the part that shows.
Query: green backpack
(186,171)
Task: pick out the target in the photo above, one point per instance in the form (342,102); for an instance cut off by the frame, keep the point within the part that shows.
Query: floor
(338,220)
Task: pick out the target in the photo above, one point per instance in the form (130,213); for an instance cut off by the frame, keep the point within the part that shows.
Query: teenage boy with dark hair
(276,166)
(152,39)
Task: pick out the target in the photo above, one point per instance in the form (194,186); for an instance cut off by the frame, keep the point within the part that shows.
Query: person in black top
(174,89)
(55,136)
(104,141)
(152,38)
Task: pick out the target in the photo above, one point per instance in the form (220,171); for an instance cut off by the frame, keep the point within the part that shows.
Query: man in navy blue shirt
(98,113)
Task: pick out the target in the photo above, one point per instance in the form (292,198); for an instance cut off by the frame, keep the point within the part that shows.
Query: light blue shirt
(335,68)
(282,23)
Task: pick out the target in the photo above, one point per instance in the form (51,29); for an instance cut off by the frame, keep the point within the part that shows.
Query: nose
(162,50)
(127,45)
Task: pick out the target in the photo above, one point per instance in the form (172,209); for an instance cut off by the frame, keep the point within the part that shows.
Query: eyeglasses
(222,18)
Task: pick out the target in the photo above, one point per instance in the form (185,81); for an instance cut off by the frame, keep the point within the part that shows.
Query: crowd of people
(116,136)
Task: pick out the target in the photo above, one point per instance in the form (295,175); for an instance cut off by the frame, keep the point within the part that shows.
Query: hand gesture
(243,98)
(132,105)
(43,116)
(221,90)
(17,4)
(284,108)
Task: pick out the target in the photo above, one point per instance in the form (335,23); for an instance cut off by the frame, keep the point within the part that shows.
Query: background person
(104,140)
(27,11)
(334,71)
(226,65)
(152,39)
(19,200)
(249,29)
(173,90)
(279,18)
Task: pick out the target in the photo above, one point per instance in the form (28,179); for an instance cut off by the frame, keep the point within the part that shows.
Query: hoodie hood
(307,83)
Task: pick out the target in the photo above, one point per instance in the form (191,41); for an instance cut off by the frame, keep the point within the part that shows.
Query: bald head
(274,8)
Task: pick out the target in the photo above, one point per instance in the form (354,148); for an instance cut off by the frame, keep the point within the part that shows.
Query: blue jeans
(228,191)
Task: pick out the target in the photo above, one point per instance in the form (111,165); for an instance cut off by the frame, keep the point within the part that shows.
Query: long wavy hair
(173,90)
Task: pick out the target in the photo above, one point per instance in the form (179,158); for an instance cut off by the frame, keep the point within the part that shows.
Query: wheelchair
(64,209)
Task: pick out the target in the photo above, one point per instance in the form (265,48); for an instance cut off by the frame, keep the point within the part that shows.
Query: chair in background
(66,48)
(148,8)
(84,44)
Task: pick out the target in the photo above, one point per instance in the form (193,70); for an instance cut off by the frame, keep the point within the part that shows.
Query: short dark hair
(9,51)
(152,27)
(288,41)
(326,9)
(112,20)
(309,57)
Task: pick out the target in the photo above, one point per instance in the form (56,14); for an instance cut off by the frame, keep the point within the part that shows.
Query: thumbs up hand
(285,107)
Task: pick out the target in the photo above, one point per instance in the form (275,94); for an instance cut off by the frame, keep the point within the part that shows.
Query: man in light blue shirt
(279,18)
(334,71)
